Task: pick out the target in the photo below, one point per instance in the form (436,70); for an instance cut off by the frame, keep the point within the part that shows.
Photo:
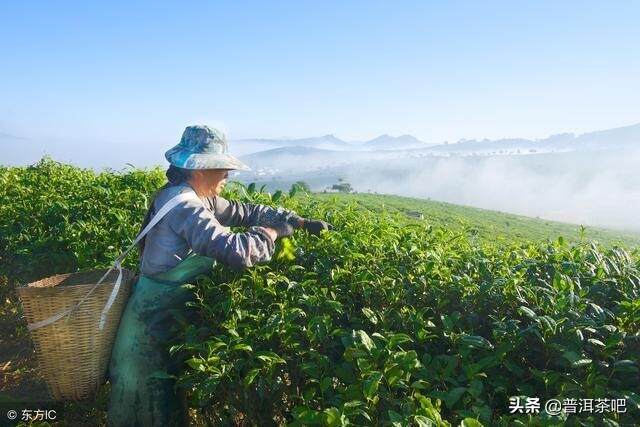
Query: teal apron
(142,394)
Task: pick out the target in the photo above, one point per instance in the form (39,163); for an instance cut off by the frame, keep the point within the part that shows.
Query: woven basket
(73,353)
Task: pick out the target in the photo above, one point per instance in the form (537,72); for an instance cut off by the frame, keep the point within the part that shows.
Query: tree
(343,187)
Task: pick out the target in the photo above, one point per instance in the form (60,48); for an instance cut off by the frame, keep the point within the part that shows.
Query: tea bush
(384,321)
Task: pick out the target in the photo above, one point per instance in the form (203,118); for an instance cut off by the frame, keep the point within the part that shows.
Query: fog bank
(594,189)
(597,188)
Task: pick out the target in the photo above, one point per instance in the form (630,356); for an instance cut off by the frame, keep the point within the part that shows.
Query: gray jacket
(201,226)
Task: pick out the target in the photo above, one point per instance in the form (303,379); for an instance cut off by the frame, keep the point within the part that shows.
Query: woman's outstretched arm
(232,213)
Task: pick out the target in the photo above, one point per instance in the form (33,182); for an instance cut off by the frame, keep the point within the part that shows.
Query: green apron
(142,394)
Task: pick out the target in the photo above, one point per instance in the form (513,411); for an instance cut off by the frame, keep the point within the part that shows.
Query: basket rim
(31,286)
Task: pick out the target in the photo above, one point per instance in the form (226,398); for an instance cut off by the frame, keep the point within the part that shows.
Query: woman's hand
(315,226)
(285,229)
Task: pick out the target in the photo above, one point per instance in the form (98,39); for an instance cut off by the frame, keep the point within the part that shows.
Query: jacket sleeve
(208,237)
(237,214)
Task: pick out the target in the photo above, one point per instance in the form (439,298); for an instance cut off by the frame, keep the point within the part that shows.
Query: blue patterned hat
(202,147)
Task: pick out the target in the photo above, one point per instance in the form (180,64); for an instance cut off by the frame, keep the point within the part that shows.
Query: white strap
(182,197)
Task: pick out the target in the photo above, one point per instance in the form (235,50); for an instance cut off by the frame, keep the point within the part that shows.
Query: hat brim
(184,159)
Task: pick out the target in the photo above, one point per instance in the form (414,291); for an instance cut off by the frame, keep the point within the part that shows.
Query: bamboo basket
(73,352)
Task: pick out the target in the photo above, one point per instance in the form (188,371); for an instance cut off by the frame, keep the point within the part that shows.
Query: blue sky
(139,72)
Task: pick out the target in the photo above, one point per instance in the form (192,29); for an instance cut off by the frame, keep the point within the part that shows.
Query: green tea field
(409,313)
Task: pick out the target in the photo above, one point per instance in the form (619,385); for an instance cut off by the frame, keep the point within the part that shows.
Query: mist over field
(592,189)
(588,179)
(591,179)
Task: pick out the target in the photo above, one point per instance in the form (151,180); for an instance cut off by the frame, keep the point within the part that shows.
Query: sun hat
(202,147)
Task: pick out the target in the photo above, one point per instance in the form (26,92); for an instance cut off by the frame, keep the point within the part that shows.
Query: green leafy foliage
(56,218)
(384,321)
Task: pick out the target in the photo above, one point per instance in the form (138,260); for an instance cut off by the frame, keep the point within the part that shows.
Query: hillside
(490,225)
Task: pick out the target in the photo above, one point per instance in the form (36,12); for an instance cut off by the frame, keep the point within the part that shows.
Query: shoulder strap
(172,203)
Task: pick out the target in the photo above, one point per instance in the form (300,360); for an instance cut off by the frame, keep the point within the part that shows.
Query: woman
(183,244)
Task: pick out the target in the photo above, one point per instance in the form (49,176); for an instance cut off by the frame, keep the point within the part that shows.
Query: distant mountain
(303,152)
(317,141)
(247,146)
(287,151)
(314,141)
(318,154)
(291,159)
(387,142)
(297,158)
(622,137)
(328,142)
(612,139)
